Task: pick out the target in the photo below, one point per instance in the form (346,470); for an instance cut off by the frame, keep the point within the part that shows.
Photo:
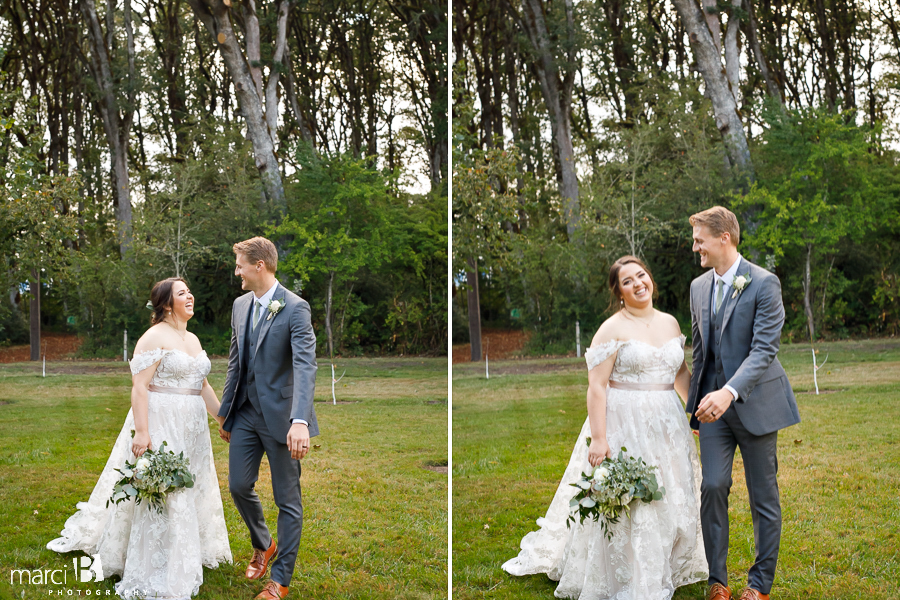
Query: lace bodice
(640,362)
(176,368)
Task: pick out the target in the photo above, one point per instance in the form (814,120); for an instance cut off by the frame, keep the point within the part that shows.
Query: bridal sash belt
(174,390)
(642,387)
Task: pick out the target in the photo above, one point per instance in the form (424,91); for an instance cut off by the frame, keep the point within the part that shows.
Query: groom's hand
(298,440)
(713,406)
(225,435)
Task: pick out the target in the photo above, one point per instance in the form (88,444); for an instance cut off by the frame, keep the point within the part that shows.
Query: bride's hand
(140,443)
(598,451)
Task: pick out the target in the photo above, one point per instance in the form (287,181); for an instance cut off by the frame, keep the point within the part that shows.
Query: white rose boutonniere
(740,284)
(275,307)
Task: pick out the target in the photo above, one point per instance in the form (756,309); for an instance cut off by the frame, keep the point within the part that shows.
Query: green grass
(839,468)
(375,520)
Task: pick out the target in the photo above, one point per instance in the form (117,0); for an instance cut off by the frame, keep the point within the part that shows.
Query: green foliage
(824,188)
(379,258)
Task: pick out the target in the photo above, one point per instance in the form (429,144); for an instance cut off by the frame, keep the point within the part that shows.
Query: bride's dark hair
(615,292)
(161,298)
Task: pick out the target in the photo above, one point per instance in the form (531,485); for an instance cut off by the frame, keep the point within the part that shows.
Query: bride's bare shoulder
(669,322)
(152,339)
(611,329)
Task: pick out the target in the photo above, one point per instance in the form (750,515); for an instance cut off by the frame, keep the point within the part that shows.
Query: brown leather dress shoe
(717,591)
(751,594)
(260,561)
(273,591)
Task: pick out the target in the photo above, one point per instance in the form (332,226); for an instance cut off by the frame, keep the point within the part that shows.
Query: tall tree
(556,65)
(718,89)
(260,108)
(117,115)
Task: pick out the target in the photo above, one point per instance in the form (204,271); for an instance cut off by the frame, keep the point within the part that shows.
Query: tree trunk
(35,288)
(711,15)
(218,22)
(732,52)
(728,120)
(761,62)
(807,291)
(328,304)
(556,88)
(474,310)
(277,60)
(116,126)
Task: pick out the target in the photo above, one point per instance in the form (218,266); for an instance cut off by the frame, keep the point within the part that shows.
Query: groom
(267,405)
(739,395)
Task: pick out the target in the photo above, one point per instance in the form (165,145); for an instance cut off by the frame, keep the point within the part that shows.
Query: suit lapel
(705,293)
(243,315)
(266,322)
(743,269)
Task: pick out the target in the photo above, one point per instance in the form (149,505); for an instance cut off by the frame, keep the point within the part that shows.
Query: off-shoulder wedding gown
(158,555)
(660,547)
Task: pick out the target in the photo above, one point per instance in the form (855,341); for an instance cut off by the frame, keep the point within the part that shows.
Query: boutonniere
(275,307)
(740,284)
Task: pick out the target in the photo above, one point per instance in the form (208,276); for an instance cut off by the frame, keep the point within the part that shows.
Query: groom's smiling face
(712,249)
(247,271)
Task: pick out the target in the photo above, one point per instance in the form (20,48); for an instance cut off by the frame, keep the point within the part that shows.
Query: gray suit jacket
(285,364)
(748,346)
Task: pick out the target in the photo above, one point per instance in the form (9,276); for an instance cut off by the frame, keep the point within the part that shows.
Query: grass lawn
(375,520)
(839,468)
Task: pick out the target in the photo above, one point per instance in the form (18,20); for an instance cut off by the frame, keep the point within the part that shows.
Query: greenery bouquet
(607,492)
(152,477)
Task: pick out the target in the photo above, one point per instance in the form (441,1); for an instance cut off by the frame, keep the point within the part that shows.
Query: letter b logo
(90,567)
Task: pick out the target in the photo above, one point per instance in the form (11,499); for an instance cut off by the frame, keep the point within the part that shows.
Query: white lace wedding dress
(660,547)
(158,555)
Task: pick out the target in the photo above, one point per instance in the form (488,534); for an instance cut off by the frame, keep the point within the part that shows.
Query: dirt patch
(498,343)
(436,466)
(338,402)
(70,368)
(528,367)
(56,346)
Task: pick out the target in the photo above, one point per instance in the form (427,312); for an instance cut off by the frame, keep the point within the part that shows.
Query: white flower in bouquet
(152,477)
(606,493)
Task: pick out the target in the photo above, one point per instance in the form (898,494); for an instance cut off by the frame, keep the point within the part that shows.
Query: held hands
(598,451)
(225,435)
(298,440)
(714,405)
(140,443)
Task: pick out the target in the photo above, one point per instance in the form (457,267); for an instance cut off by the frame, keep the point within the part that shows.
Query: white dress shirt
(263,302)
(726,279)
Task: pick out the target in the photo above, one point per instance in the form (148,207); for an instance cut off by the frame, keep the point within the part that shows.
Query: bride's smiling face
(635,285)
(182,301)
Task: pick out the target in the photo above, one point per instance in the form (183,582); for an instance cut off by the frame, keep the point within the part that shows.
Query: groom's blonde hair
(259,249)
(719,220)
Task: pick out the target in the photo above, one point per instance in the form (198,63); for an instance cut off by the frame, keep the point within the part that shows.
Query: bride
(635,365)
(160,555)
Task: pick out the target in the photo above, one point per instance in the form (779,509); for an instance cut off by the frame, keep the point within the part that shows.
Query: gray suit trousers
(250,439)
(718,441)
